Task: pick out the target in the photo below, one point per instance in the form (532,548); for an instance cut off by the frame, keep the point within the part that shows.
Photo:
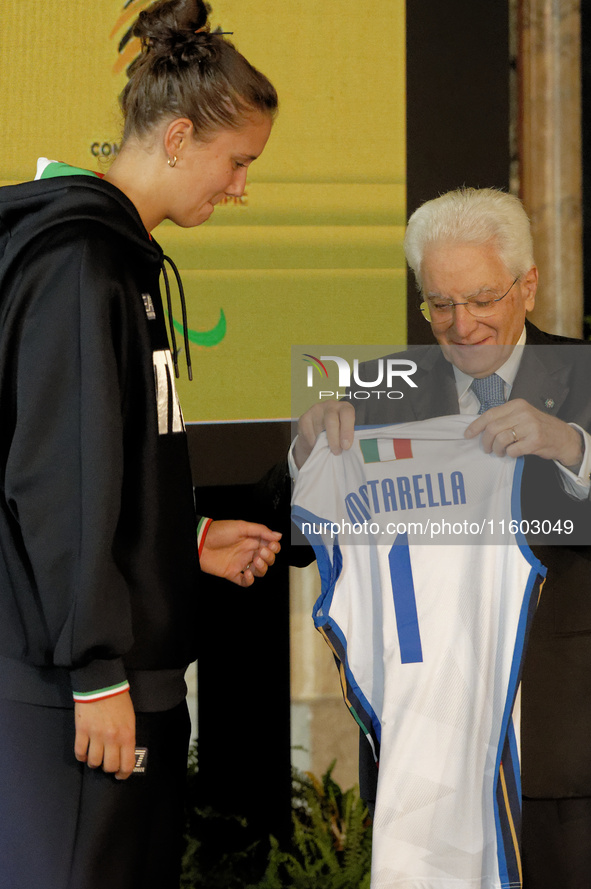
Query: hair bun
(176,30)
(187,70)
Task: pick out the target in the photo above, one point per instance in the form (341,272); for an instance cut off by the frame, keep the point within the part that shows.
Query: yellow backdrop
(314,251)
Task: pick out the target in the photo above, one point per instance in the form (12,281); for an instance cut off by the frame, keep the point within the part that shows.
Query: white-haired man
(471,253)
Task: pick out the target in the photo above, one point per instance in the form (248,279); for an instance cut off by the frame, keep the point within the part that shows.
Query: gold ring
(514,434)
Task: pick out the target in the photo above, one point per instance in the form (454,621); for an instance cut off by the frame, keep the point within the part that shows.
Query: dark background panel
(457,106)
(243,663)
(244,687)
(236,453)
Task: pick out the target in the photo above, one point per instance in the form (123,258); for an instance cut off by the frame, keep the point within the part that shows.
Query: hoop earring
(172,161)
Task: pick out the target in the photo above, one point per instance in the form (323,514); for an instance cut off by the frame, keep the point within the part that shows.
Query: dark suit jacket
(556,689)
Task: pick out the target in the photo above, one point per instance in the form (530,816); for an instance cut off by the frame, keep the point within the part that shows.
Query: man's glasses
(441,311)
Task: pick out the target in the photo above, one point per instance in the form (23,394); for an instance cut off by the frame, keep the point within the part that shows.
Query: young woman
(98,534)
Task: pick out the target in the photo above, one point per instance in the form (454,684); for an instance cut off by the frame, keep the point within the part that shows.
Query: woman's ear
(176,133)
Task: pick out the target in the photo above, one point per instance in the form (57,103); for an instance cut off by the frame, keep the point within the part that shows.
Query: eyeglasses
(440,311)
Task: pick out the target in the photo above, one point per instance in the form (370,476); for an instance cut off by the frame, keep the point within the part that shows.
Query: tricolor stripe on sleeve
(100,694)
(202,529)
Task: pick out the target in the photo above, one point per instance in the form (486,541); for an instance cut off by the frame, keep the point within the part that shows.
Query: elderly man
(471,253)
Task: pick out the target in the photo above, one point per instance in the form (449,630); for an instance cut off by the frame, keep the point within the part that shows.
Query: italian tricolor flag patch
(382,450)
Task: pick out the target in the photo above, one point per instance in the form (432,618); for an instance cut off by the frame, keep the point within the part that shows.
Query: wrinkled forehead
(462,268)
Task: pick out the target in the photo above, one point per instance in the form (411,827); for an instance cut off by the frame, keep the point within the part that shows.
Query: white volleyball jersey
(428,624)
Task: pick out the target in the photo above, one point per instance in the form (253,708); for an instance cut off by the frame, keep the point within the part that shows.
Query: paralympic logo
(205,337)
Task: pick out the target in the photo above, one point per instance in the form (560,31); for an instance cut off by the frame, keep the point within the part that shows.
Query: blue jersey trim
(323,559)
(507,752)
(330,570)
(516,515)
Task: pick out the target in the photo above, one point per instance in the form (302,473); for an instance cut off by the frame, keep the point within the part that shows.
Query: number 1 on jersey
(405,603)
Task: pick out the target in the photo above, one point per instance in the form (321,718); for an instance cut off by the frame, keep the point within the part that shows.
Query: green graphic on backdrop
(205,337)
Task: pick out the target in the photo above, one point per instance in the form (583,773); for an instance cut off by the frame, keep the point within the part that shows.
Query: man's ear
(177,132)
(529,283)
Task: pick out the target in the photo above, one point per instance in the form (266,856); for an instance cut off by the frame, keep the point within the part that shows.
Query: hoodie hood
(71,197)
(37,207)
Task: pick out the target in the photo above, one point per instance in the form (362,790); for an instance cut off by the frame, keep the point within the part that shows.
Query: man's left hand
(239,551)
(516,428)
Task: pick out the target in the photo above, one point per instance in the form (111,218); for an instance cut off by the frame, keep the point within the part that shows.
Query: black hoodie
(98,553)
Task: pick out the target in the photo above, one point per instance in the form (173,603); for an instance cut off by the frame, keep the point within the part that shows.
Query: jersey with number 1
(427,597)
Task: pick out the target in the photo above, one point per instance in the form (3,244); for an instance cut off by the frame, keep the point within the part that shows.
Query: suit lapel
(542,378)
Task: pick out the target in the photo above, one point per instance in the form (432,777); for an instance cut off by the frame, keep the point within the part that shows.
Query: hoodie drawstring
(171,319)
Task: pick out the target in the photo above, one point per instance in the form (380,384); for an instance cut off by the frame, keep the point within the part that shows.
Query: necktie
(490,392)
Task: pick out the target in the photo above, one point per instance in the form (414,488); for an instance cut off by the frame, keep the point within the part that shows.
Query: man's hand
(105,735)
(336,417)
(516,428)
(239,551)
